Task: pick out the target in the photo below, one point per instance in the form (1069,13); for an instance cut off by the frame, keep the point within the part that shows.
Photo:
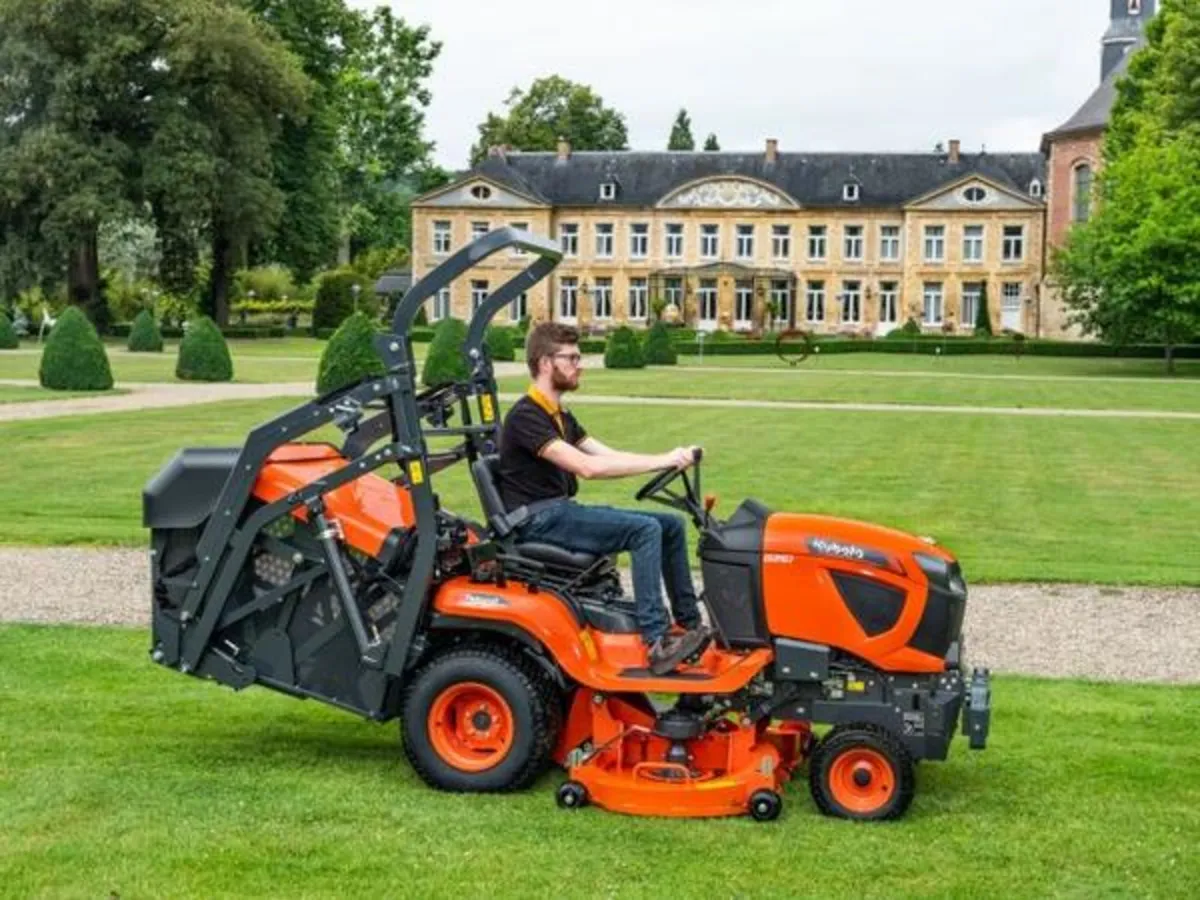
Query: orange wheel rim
(470,726)
(862,780)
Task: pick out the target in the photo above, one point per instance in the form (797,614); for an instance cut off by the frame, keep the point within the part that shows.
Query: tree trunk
(1170,359)
(223,250)
(83,272)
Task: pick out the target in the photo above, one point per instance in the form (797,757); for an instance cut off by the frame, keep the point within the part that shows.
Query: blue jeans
(656,541)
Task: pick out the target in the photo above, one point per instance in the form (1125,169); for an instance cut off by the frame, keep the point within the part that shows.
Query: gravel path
(1078,631)
(152,395)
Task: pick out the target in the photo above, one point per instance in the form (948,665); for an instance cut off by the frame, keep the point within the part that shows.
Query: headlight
(942,574)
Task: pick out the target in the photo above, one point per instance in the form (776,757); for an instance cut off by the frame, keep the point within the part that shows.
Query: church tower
(1125,30)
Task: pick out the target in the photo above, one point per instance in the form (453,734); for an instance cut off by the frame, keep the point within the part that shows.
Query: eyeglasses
(573,358)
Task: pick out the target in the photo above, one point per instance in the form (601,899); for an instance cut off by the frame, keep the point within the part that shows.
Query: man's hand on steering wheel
(682,457)
(677,461)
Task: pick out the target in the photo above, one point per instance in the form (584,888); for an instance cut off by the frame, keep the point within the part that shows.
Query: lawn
(254,361)
(829,385)
(1019,499)
(12,394)
(144,783)
(968,364)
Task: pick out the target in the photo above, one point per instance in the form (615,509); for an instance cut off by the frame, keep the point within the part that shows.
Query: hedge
(203,354)
(240,332)
(145,337)
(624,350)
(350,355)
(947,347)
(8,335)
(74,358)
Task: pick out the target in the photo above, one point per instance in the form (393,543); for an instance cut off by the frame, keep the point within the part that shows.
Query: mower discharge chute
(301,567)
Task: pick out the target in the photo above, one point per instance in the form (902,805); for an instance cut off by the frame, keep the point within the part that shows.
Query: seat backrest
(483,470)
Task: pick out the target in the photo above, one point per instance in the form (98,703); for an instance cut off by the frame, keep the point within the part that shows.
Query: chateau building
(830,242)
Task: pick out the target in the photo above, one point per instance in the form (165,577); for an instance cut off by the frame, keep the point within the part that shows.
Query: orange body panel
(628,772)
(368,509)
(592,658)
(802,601)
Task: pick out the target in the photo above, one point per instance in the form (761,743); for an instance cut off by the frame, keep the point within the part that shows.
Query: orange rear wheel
(470,726)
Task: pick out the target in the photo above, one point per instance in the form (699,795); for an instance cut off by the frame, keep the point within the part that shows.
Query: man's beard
(563,383)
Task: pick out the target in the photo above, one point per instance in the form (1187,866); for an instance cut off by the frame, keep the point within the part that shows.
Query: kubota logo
(833,548)
(484,601)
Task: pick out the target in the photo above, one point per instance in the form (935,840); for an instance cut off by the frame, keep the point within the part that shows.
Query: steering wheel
(665,477)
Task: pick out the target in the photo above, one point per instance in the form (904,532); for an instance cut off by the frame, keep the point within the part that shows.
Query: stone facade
(868,280)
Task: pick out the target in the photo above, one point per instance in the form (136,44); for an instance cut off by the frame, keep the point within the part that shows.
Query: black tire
(895,782)
(765,806)
(571,795)
(517,682)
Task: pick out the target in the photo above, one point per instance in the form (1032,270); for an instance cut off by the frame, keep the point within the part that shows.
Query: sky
(818,75)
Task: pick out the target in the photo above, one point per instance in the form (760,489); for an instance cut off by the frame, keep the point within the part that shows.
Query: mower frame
(183,640)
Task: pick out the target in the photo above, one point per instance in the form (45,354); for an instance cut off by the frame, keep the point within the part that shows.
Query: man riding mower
(298,566)
(544,450)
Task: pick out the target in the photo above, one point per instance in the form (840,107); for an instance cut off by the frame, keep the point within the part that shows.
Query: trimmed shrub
(420,321)
(350,355)
(445,361)
(910,329)
(203,354)
(74,358)
(983,319)
(8,334)
(658,348)
(144,336)
(501,343)
(623,350)
(335,298)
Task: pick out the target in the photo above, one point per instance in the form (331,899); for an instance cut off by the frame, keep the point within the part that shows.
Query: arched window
(1083,192)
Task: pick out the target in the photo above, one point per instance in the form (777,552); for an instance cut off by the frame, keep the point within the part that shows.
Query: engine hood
(829,537)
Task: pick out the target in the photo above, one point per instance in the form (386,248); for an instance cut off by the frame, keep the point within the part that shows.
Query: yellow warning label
(487,410)
(856,686)
(589,645)
(716,784)
(416,474)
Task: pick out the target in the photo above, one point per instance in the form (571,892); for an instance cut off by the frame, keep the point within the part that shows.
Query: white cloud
(816,74)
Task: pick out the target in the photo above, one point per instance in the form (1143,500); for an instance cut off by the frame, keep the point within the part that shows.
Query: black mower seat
(484,472)
(556,556)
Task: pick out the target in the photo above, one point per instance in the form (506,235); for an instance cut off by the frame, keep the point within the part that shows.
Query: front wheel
(861,772)
(477,720)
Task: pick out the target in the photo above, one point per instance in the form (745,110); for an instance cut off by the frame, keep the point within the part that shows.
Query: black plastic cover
(185,491)
(875,606)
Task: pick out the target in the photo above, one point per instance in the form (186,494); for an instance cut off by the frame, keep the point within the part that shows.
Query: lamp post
(355,290)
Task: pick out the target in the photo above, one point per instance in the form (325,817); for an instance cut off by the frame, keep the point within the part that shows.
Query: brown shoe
(670,650)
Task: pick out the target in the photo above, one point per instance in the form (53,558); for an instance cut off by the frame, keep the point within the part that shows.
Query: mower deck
(730,770)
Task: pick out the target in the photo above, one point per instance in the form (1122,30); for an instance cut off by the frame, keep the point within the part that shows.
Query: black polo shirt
(525,475)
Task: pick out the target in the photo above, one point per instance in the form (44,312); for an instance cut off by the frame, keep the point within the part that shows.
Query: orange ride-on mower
(334,573)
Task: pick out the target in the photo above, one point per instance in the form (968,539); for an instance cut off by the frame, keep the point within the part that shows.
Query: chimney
(955,150)
(500,150)
(564,149)
(772,150)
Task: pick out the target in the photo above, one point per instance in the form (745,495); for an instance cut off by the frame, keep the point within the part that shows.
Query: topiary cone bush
(500,343)
(74,358)
(144,336)
(203,353)
(658,349)
(445,360)
(350,355)
(623,351)
(8,334)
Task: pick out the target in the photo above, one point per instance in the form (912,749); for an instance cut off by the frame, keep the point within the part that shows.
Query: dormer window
(1135,7)
(608,190)
(481,192)
(1035,188)
(850,192)
(974,194)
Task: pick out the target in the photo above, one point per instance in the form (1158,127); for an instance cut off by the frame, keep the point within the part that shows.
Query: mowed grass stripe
(832,386)
(1019,499)
(144,782)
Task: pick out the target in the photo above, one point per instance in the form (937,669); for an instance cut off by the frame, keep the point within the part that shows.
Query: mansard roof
(814,180)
